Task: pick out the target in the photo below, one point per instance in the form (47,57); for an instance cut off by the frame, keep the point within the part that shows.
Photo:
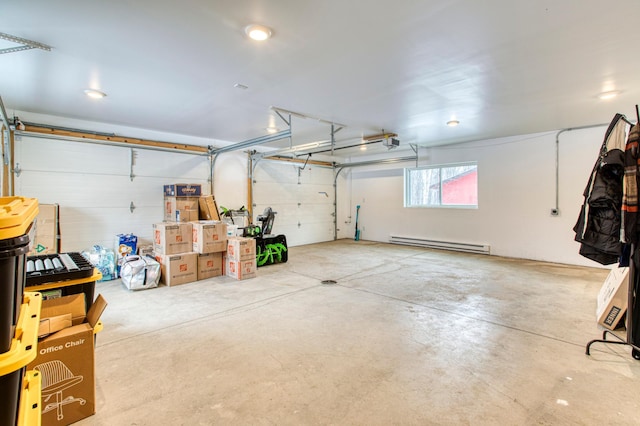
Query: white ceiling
(501,67)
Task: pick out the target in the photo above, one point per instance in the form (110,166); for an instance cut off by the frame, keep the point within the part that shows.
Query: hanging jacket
(630,187)
(599,226)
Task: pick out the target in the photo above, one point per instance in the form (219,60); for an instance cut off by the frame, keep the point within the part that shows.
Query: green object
(271,254)
(357,237)
(271,250)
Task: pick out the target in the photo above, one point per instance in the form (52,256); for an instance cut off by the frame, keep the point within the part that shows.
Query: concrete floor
(406,336)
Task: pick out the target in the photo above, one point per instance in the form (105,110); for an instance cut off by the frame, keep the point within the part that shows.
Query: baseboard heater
(445,245)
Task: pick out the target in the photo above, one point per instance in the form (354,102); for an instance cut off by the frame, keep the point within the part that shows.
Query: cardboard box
(178,268)
(125,244)
(181,209)
(241,248)
(146,250)
(74,305)
(209,236)
(46,231)
(51,325)
(66,362)
(172,238)
(210,265)
(183,190)
(613,298)
(240,269)
(208,208)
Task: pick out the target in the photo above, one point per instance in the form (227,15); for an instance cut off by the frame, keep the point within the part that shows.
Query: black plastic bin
(17,217)
(14,377)
(10,384)
(13,253)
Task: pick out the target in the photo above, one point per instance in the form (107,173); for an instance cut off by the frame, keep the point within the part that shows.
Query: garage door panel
(306,233)
(95,196)
(63,156)
(157,164)
(266,192)
(316,176)
(304,201)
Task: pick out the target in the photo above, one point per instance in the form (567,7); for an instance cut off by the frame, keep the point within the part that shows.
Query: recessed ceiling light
(609,95)
(258,32)
(452,123)
(363,147)
(95,94)
(271,129)
(241,86)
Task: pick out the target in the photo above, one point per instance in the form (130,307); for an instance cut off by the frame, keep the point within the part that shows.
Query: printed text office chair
(56,377)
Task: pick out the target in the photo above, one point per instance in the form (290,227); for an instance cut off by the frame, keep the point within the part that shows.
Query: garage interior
(477,313)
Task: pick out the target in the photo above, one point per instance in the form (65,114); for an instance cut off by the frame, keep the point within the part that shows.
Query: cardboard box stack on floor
(240,258)
(209,241)
(189,249)
(172,246)
(66,359)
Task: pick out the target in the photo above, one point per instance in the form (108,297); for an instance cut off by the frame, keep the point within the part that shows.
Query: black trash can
(17,216)
(10,385)
(13,254)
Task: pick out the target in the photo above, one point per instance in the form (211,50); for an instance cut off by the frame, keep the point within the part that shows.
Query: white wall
(516,190)
(516,179)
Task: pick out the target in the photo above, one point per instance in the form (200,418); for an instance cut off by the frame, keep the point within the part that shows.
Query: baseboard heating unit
(445,245)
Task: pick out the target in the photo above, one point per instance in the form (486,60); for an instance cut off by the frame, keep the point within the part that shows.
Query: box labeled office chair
(56,378)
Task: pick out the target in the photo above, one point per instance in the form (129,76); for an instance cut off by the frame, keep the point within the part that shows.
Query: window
(453,185)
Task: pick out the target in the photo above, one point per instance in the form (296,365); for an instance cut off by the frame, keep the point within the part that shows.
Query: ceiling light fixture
(241,86)
(271,129)
(95,94)
(363,147)
(608,95)
(452,123)
(258,32)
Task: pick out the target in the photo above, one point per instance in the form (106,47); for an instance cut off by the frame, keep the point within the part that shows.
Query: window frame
(407,172)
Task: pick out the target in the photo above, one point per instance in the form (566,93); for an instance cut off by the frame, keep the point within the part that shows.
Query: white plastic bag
(140,272)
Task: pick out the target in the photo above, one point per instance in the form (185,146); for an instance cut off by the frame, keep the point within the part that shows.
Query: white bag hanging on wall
(140,272)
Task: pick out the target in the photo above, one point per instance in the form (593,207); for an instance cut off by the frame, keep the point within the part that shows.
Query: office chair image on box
(56,377)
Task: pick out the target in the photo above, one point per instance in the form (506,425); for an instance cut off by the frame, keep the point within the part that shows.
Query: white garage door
(96,185)
(303,200)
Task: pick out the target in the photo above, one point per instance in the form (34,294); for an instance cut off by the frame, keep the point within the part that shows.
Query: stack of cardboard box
(173,248)
(209,241)
(189,249)
(240,258)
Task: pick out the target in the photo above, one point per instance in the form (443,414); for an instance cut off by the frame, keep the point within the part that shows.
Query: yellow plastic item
(16,215)
(98,328)
(97,276)
(29,410)
(24,346)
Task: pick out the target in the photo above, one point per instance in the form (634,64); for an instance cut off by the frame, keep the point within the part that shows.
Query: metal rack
(633,306)
(630,340)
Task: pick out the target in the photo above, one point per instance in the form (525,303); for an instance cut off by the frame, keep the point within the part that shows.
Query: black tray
(85,270)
